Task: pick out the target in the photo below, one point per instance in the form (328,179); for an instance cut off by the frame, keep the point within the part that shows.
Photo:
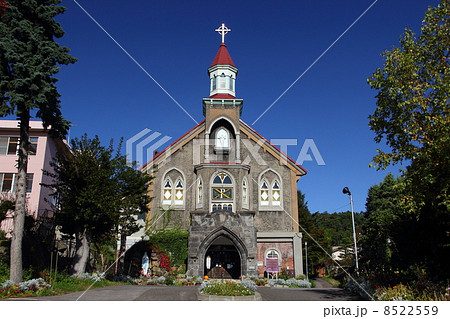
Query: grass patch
(72,284)
(333,282)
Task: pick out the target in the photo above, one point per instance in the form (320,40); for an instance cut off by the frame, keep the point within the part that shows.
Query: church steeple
(222,110)
(222,72)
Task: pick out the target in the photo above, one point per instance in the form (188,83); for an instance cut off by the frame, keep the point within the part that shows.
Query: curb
(255,297)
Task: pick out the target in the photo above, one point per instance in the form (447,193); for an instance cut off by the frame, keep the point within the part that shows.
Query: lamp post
(347,191)
(306,250)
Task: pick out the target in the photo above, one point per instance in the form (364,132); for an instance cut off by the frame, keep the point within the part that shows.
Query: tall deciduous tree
(29,57)
(97,192)
(412,117)
(85,185)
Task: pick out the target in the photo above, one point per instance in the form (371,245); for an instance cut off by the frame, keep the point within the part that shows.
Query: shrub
(273,282)
(249,284)
(298,283)
(94,276)
(396,293)
(160,280)
(170,281)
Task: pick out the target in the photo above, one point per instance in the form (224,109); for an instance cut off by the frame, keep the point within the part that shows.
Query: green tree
(317,242)
(98,194)
(412,117)
(383,211)
(29,57)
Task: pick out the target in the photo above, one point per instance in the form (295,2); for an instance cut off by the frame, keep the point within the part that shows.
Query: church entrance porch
(228,239)
(222,259)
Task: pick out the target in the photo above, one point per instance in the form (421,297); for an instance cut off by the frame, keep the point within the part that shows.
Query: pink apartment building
(42,150)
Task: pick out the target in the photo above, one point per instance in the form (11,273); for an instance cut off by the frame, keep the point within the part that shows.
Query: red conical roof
(222,57)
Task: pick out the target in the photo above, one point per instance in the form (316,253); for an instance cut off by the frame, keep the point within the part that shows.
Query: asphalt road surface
(190,293)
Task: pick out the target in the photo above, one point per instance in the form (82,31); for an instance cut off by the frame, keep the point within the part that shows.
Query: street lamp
(306,249)
(347,191)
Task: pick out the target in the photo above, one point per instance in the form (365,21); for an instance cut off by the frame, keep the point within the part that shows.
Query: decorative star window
(222,192)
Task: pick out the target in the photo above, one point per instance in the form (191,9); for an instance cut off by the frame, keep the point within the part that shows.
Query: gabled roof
(277,152)
(253,135)
(178,141)
(222,57)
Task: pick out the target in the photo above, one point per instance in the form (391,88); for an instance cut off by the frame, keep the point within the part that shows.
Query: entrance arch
(225,249)
(224,259)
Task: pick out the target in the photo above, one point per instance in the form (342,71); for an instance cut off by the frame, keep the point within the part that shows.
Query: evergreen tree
(317,242)
(29,57)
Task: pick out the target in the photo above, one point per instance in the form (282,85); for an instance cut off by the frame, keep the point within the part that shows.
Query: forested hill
(338,226)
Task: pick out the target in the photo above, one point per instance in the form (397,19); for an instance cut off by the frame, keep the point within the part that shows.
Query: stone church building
(233,190)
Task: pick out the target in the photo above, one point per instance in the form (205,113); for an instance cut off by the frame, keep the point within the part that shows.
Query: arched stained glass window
(222,192)
(179,193)
(167,192)
(173,193)
(264,193)
(270,191)
(276,193)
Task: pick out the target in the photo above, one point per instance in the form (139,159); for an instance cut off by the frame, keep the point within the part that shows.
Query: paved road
(301,294)
(177,293)
(128,293)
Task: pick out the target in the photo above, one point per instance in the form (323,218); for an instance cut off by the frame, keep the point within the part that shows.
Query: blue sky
(272,43)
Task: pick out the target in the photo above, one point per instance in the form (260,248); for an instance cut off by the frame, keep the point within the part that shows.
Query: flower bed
(228,288)
(8,289)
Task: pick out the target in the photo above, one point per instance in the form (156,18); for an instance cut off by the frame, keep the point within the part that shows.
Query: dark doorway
(225,259)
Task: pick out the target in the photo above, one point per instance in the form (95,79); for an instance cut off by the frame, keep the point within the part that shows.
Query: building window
(32,148)
(200,193)
(167,192)
(272,253)
(276,193)
(222,193)
(214,83)
(222,81)
(231,84)
(270,194)
(173,193)
(8,181)
(222,139)
(179,193)
(244,193)
(264,193)
(8,145)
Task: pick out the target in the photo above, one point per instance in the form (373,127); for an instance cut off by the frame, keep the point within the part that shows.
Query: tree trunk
(81,257)
(123,247)
(16,271)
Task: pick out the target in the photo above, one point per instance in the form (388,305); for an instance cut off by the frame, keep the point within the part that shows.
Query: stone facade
(225,184)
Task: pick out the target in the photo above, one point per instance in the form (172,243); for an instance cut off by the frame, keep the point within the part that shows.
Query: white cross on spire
(222,31)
